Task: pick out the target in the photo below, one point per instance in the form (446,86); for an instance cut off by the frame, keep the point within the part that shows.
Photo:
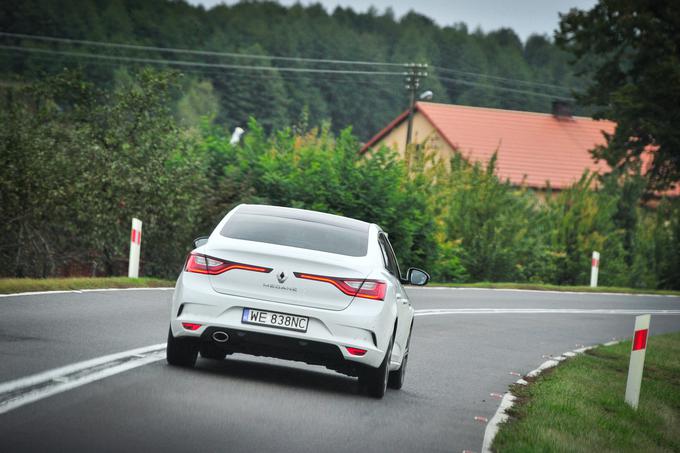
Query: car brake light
(190,326)
(355,351)
(358,287)
(204,264)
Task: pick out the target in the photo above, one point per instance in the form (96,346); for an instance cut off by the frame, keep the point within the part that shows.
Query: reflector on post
(135,247)
(637,360)
(595,269)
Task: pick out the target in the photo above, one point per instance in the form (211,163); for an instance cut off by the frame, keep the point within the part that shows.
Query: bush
(580,220)
(76,164)
(315,170)
(493,225)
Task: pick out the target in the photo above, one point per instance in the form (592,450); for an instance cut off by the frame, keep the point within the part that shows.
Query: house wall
(422,130)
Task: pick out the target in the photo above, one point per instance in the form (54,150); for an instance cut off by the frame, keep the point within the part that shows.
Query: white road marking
(79,291)
(584,293)
(548,311)
(499,417)
(14,394)
(508,400)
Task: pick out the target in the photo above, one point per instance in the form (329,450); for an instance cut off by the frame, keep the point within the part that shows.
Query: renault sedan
(299,285)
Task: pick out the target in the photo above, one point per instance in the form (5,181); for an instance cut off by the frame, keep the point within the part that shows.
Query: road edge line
(549,291)
(508,400)
(88,290)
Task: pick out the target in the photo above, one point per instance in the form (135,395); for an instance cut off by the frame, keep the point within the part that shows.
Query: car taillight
(204,264)
(358,287)
(191,326)
(355,351)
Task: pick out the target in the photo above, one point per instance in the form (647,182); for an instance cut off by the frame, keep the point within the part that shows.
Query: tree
(76,164)
(633,50)
(367,102)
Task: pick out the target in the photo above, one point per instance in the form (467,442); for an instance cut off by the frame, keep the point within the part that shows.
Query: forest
(363,52)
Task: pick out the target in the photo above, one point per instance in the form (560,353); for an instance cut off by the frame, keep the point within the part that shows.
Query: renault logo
(281,277)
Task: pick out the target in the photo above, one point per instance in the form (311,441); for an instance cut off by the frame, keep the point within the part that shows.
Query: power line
(495,87)
(272,57)
(184,63)
(216,74)
(502,79)
(336,77)
(194,51)
(196,63)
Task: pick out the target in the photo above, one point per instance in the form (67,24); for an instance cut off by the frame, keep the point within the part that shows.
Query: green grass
(547,287)
(578,406)
(20,285)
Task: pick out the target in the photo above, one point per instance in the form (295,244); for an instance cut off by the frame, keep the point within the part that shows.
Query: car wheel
(375,379)
(181,351)
(210,351)
(396,379)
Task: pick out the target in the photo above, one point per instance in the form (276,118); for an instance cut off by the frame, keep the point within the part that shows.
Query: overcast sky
(524,16)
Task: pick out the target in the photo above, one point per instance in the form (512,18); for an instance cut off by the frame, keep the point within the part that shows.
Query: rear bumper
(364,324)
(282,347)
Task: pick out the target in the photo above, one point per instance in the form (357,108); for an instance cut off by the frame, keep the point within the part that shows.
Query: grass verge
(547,287)
(21,285)
(578,406)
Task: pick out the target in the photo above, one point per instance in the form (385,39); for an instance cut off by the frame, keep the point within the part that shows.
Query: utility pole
(414,73)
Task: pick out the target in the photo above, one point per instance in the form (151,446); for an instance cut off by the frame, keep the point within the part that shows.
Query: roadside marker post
(637,360)
(135,247)
(595,269)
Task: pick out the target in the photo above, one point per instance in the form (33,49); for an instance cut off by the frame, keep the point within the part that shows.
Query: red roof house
(532,148)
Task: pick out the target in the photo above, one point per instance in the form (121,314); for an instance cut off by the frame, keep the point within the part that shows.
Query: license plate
(273,319)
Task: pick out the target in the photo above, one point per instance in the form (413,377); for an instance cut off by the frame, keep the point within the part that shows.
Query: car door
(404,309)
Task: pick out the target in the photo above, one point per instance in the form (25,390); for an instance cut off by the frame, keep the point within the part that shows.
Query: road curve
(458,358)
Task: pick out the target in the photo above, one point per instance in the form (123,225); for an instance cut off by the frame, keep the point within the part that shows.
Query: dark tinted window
(388,254)
(297,232)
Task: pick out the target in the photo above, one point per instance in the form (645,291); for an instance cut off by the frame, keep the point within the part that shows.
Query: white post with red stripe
(594,269)
(637,360)
(135,247)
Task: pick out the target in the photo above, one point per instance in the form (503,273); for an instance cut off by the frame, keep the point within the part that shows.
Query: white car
(299,285)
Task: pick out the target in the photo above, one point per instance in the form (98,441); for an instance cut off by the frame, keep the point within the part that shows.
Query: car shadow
(280,374)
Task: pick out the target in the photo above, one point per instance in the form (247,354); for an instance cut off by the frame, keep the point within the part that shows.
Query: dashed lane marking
(16,393)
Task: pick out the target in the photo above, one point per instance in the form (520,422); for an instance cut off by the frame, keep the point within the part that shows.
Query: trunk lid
(281,285)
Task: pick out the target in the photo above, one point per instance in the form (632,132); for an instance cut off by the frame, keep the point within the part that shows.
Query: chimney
(561,110)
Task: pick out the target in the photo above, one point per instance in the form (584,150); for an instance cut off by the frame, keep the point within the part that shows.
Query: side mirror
(199,241)
(417,277)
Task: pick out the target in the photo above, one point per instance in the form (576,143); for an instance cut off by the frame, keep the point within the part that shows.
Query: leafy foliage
(76,163)
(633,51)
(317,171)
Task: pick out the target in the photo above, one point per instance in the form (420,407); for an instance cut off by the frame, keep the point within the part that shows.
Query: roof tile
(532,147)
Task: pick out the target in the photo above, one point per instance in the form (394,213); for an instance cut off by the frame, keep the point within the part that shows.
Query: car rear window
(294,232)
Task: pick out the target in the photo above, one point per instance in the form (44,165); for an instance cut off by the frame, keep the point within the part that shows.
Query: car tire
(374,380)
(397,377)
(210,351)
(181,351)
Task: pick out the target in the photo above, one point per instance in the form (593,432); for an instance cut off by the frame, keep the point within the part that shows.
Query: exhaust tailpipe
(220,336)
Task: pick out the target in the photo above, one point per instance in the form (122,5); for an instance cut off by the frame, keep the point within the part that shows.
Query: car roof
(304,215)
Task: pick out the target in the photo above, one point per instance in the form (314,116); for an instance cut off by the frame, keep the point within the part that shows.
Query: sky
(526,17)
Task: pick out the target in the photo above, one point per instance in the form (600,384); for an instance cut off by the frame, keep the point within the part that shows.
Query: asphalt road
(253,404)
